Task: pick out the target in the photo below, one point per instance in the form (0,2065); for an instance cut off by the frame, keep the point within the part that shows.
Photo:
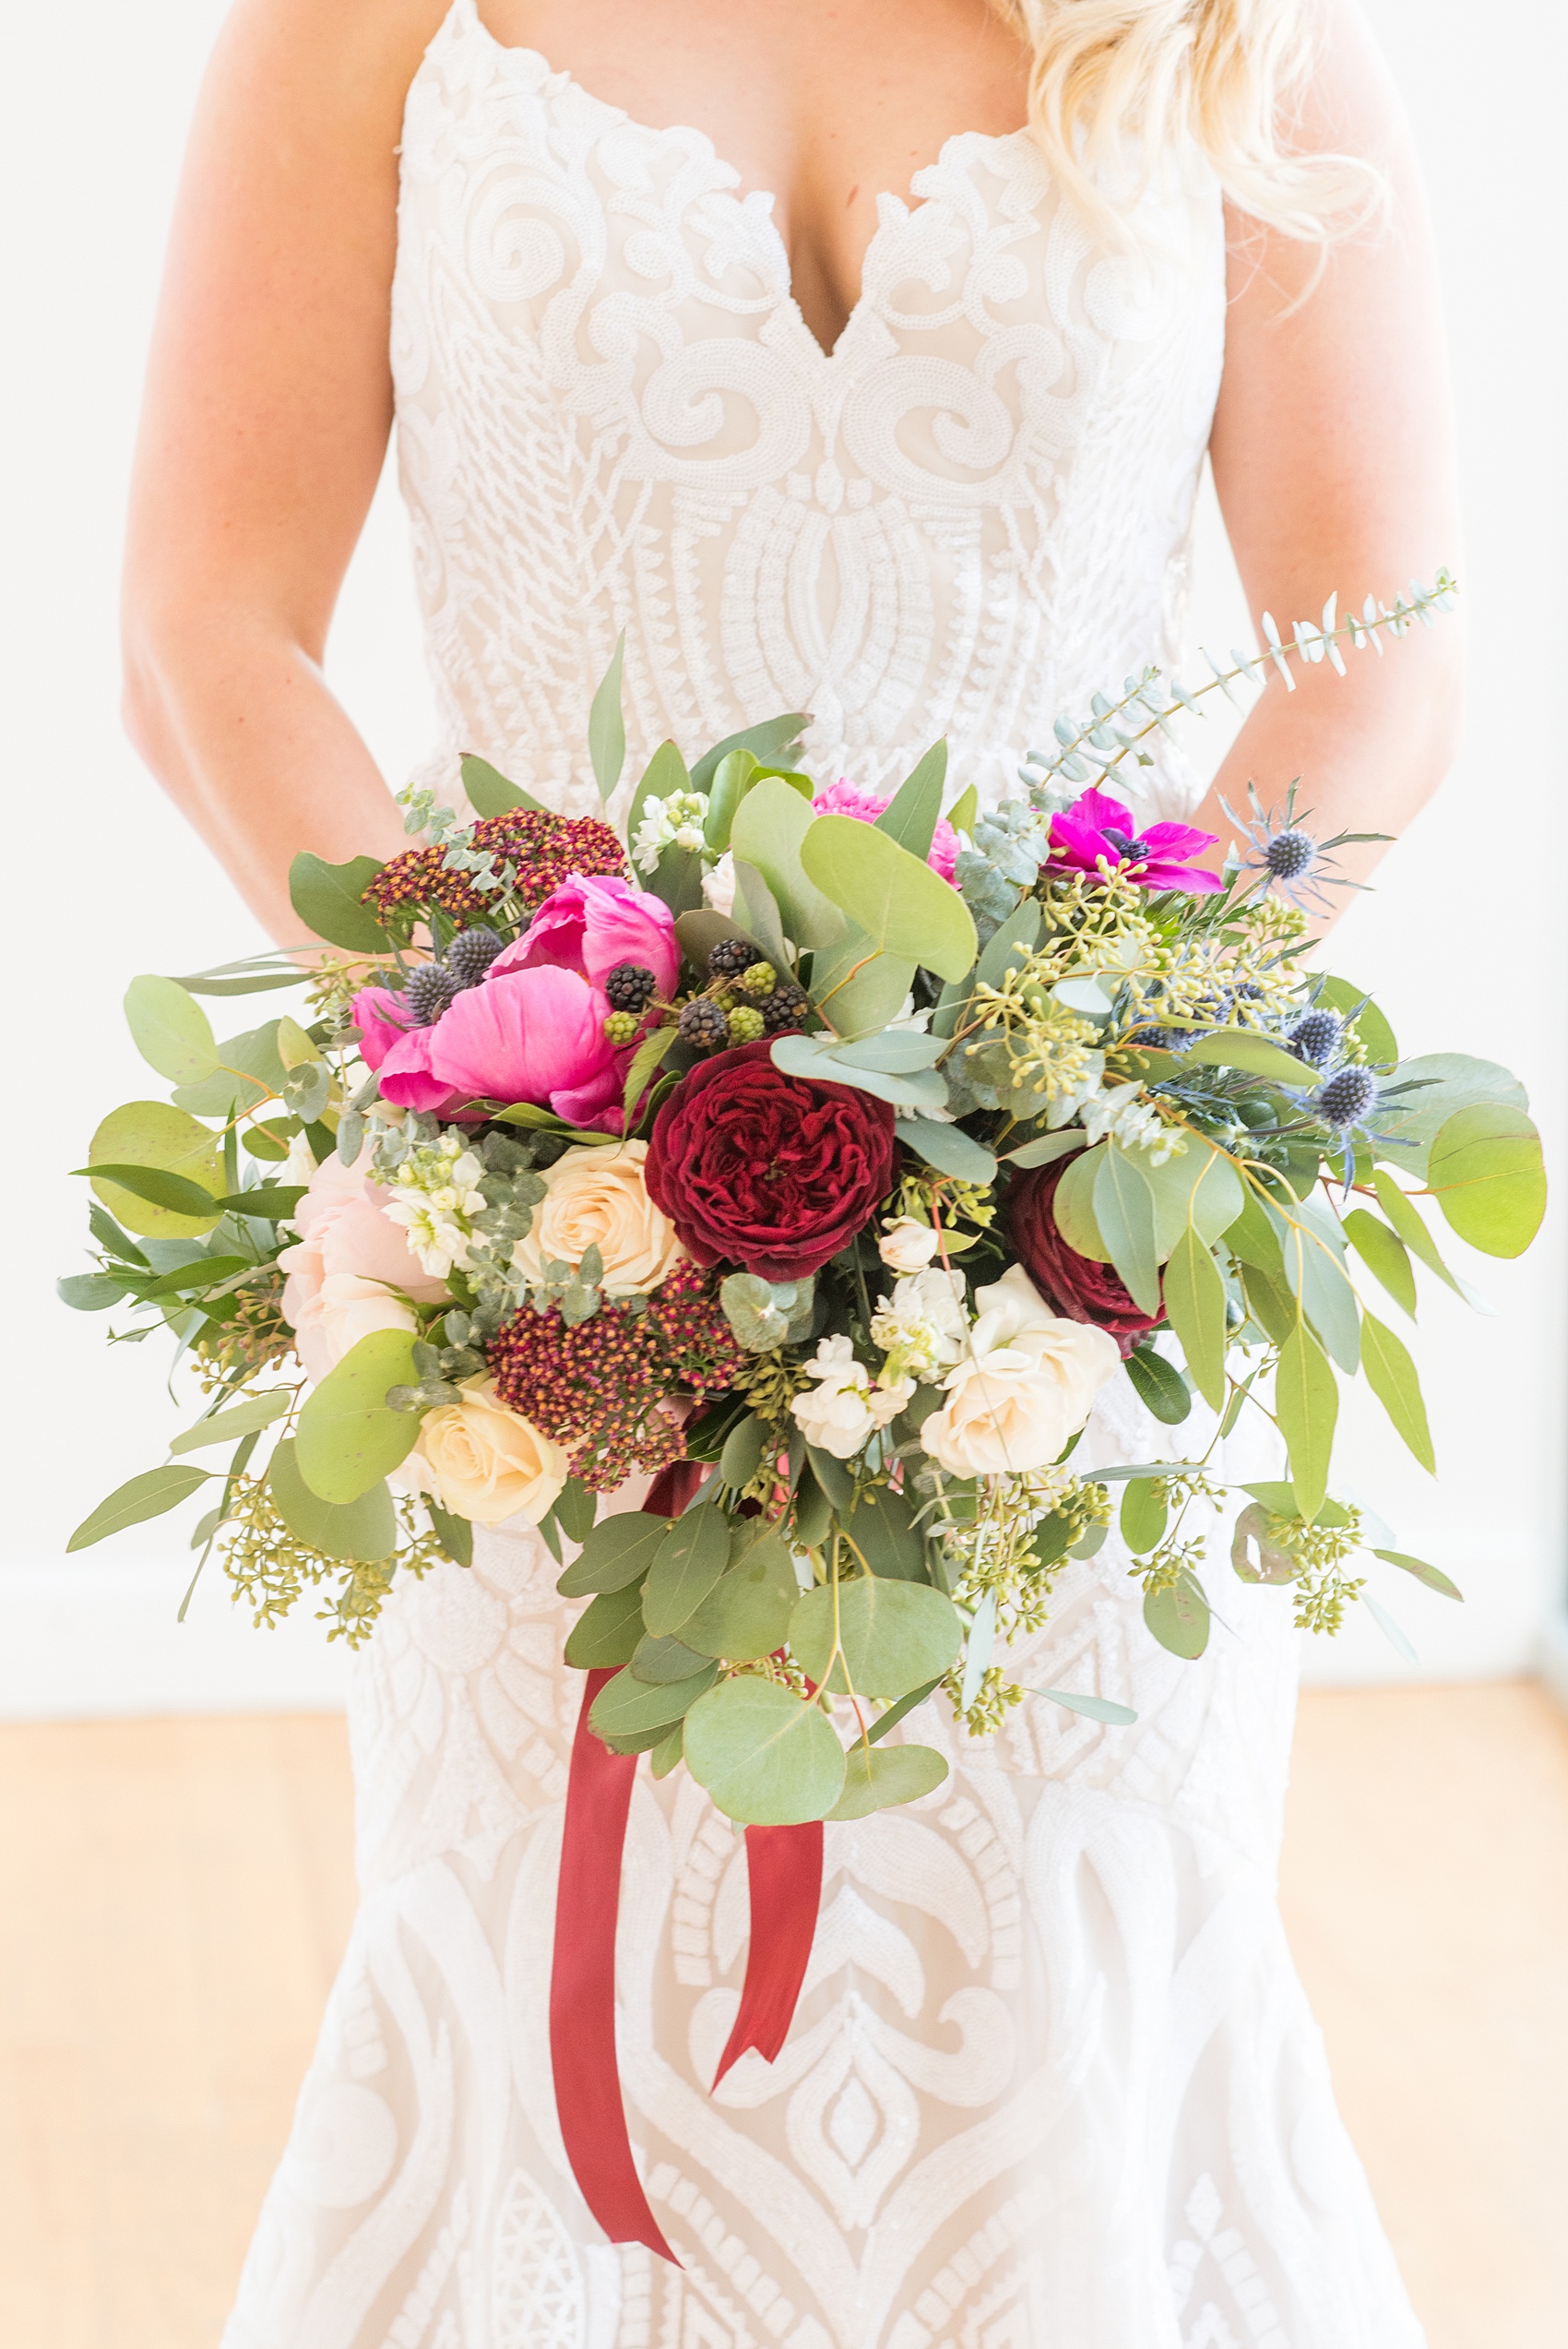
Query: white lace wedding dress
(1052,2084)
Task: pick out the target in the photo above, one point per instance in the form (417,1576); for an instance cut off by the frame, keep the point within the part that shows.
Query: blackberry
(785,1007)
(745,1024)
(471,954)
(730,958)
(758,979)
(1347,1097)
(1290,854)
(1316,1037)
(621,1027)
(430,990)
(630,987)
(702,1022)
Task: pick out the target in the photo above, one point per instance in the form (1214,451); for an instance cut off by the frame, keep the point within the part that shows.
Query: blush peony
(348,1268)
(772,1173)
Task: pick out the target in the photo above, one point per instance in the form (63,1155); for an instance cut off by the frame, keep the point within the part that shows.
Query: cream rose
(347,1267)
(1027,1384)
(907,1246)
(597,1198)
(486,1461)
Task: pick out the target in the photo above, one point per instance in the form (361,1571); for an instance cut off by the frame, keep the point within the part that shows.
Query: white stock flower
(435,1197)
(1027,1384)
(718,886)
(907,1246)
(1134,1121)
(921,1327)
(675,822)
(845,1410)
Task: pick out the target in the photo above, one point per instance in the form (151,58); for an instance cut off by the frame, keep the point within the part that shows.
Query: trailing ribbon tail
(784,1871)
(582,1987)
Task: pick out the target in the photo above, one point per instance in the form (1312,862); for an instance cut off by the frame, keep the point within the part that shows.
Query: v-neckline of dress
(763,199)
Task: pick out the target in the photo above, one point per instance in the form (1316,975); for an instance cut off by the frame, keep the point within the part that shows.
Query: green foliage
(911,816)
(770,824)
(1178,1615)
(891,1636)
(1245,1048)
(1485,1168)
(687,1563)
(1391,1375)
(746,1615)
(360,1530)
(1384,1255)
(608,1630)
(627,1707)
(1161,1386)
(1124,1210)
(768,1758)
(607,725)
(152,1493)
(151,1135)
(948,1149)
(1144,1513)
(1369,1028)
(348,1438)
(1318,1282)
(1195,1306)
(170,1029)
(877,1777)
(775,743)
(327,900)
(1306,1399)
(241,1419)
(487,790)
(1074,1206)
(904,908)
(1432,1576)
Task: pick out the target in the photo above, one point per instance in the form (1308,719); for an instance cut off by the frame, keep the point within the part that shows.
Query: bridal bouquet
(821,1159)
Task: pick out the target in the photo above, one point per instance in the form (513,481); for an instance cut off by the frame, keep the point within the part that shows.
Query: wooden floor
(173,1896)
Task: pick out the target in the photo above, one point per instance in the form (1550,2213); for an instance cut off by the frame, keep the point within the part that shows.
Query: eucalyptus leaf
(1444,1082)
(456,1535)
(1318,1282)
(771,824)
(1092,1707)
(327,900)
(617,1553)
(1391,1377)
(1396,1637)
(1369,1027)
(746,1615)
(742,1453)
(241,1419)
(897,1051)
(150,1137)
(152,1493)
(606,724)
(1430,1575)
(886,1538)
(627,1706)
(1486,1167)
(488,792)
(348,1440)
(911,816)
(647,1061)
(904,908)
(608,1630)
(1195,1306)
(359,1532)
(1179,1616)
(1073,1205)
(765,1758)
(1124,1211)
(661,1662)
(688,1562)
(758,905)
(808,1057)
(89,1291)
(964,811)
(947,1148)
(170,1029)
(1198,1188)
(1384,1255)
(878,1777)
(1145,1514)
(859,989)
(1245,1048)
(1306,1401)
(893,1636)
(775,743)
(1160,1389)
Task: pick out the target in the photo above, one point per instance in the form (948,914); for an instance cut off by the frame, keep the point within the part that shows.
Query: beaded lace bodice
(1053,2084)
(612,414)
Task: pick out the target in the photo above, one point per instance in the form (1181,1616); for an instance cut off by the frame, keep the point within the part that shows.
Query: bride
(880,393)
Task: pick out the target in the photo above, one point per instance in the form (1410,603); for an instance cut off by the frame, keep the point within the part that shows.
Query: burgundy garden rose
(775,1174)
(1073,1285)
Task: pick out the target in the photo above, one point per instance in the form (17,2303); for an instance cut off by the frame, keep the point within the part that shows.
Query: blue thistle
(1316,1037)
(1348,1099)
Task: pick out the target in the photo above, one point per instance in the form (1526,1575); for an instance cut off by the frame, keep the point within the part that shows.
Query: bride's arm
(268,405)
(1333,459)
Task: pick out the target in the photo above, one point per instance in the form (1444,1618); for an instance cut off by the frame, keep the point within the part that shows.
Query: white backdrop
(1464,941)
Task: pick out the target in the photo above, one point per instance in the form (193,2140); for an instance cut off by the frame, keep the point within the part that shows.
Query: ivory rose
(347,1266)
(486,1461)
(1025,1385)
(598,1197)
(907,1246)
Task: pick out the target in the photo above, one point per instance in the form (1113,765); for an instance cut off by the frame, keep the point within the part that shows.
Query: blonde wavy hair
(1145,75)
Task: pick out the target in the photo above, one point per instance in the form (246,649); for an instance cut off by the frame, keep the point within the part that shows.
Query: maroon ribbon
(784,1871)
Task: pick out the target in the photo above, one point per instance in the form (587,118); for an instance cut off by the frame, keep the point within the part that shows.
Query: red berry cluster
(598,1389)
(546,850)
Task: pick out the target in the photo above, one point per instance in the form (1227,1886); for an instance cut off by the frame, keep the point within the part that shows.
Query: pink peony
(347,1269)
(535,1035)
(845,798)
(1097,827)
(589,925)
(400,1054)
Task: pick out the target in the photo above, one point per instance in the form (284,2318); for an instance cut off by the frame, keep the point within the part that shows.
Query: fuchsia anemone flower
(845,798)
(1097,827)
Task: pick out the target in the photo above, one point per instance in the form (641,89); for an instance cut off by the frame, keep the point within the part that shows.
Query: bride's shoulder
(353,59)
